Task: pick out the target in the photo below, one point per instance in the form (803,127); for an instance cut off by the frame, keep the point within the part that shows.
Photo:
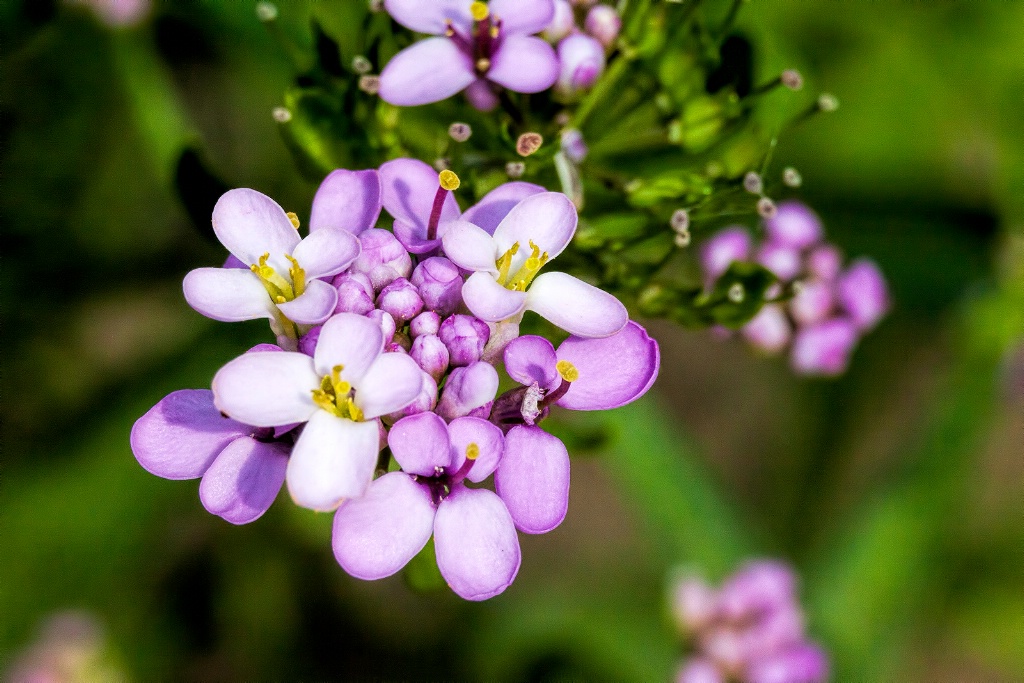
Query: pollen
(449,180)
(293,217)
(567,370)
(472,452)
(479,11)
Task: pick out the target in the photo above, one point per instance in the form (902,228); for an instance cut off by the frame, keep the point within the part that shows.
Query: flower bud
(813,303)
(307,342)
(355,293)
(383,258)
(528,143)
(386,322)
(465,336)
(582,61)
(782,260)
(401,300)
(863,293)
(431,354)
(699,670)
(794,225)
(281,114)
(604,23)
(573,145)
(804,663)
(719,252)
(426,322)
(469,391)
(693,604)
(791,177)
(825,262)
(440,285)
(680,221)
(792,79)
(562,22)
(459,132)
(824,349)
(757,588)
(361,65)
(766,207)
(369,84)
(515,169)
(426,400)
(769,330)
(752,183)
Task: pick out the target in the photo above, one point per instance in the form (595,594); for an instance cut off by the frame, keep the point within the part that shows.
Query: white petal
(547,219)
(333,459)
(575,306)
(392,382)
(469,246)
(326,252)
(266,388)
(250,224)
(489,301)
(313,306)
(227,294)
(350,340)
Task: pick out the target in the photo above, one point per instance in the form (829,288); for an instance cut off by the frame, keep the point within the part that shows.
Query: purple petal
(813,303)
(489,301)
(414,237)
(524,64)
(470,247)
(575,306)
(758,587)
(794,225)
(250,224)
(392,382)
(227,294)
(428,71)
(476,544)
(825,262)
(547,219)
(769,330)
(180,436)
(244,480)
(377,534)
(333,459)
(429,17)
(408,187)
(346,200)
(613,371)
(350,340)
(581,61)
(326,252)
(489,440)
(530,359)
(825,348)
(495,205)
(313,306)
(802,664)
(533,479)
(420,444)
(267,389)
(481,95)
(863,293)
(719,252)
(523,16)
(781,259)
(699,671)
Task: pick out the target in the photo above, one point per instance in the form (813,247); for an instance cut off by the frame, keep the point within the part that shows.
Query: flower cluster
(389,344)
(581,52)
(751,630)
(831,306)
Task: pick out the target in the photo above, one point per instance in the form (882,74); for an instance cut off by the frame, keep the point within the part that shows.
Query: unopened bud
(401,300)
(828,102)
(431,355)
(386,322)
(736,293)
(369,84)
(281,114)
(682,239)
(442,164)
(603,23)
(460,132)
(766,207)
(376,5)
(361,65)
(515,169)
(427,322)
(791,177)
(752,183)
(528,143)
(680,220)
(465,336)
(792,79)
(266,11)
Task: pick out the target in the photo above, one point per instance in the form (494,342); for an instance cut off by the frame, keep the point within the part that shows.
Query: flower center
(279,288)
(483,42)
(440,485)
(521,279)
(335,395)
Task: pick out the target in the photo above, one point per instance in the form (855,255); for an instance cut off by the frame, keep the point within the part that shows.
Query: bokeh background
(897,490)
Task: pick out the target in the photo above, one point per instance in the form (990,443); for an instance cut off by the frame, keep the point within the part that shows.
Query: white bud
(752,183)
(460,132)
(266,11)
(791,177)
(827,102)
(680,221)
(361,65)
(282,114)
(515,169)
(369,84)
(682,239)
(766,207)
(736,293)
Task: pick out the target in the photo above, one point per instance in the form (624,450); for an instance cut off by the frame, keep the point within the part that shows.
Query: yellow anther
(354,413)
(449,181)
(479,11)
(280,299)
(494,32)
(483,64)
(472,452)
(567,370)
(504,263)
(297,274)
(294,219)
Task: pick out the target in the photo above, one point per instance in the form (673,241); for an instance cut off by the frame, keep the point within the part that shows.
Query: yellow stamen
(494,32)
(524,276)
(294,219)
(335,396)
(479,11)
(505,262)
(483,64)
(297,274)
(280,299)
(275,285)
(567,370)
(472,452)
(448,180)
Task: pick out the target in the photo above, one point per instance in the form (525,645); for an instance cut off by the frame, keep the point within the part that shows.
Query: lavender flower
(581,62)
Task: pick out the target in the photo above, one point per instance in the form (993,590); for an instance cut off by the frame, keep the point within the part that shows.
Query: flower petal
(181,435)
(575,306)
(250,224)
(476,543)
(530,359)
(414,237)
(313,306)
(480,95)
(346,200)
(420,444)
(333,459)
(267,388)
(470,247)
(409,187)
(547,219)
(489,301)
(428,71)
(377,534)
(489,440)
(523,16)
(495,205)
(533,479)
(429,17)
(349,340)
(613,370)
(244,480)
(326,252)
(524,64)
(227,294)
(392,382)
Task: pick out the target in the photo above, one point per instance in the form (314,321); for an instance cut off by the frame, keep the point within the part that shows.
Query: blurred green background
(897,490)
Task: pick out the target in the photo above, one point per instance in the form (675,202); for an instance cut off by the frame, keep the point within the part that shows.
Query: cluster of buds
(582,51)
(751,630)
(831,307)
(380,399)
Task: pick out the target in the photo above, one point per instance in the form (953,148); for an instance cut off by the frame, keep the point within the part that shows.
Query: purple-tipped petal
(613,371)
(346,200)
(470,247)
(227,294)
(408,187)
(524,64)
(428,71)
(350,340)
(533,479)
(468,391)
(244,480)
(769,330)
(532,359)
(333,459)
(181,435)
(547,219)
(495,205)
(392,382)
(794,225)
(489,440)
(575,306)
(476,544)
(523,16)
(414,237)
(489,301)
(825,348)
(863,293)
(719,252)
(376,535)
(267,389)
(420,444)
(313,306)
(250,224)
(481,95)
(581,61)
(326,252)
(430,17)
